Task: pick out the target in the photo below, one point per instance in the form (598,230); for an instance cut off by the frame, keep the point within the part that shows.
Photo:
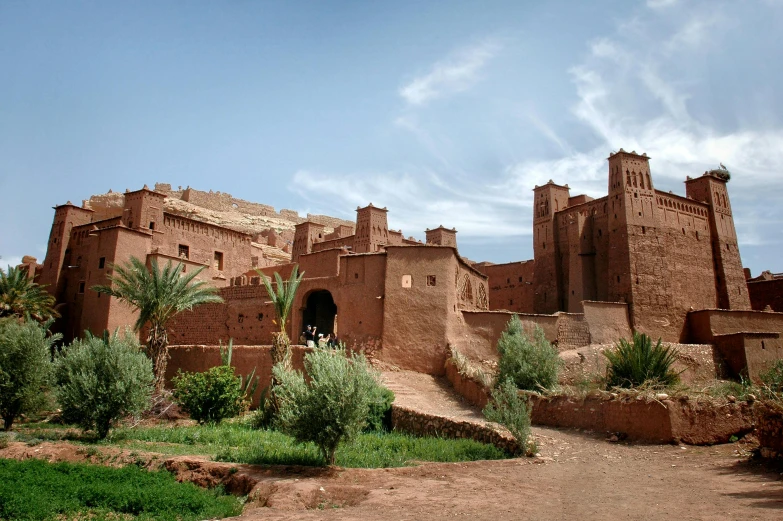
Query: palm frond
(283,293)
(22,297)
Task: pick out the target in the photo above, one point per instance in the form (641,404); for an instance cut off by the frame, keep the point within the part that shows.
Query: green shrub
(379,411)
(99,380)
(640,363)
(34,489)
(512,412)
(25,367)
(531,363)
(333,406)
(211,396)
(773,378)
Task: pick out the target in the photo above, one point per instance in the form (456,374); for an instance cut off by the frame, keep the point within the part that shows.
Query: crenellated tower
(305,235)
(442,236)
(372,229)
(66,216)
(143,209)
(547,201)
(730,284)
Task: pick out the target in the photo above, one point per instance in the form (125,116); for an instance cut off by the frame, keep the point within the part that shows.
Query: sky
(446,113)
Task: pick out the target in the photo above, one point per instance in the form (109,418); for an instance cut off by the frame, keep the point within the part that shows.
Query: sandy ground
(579,476)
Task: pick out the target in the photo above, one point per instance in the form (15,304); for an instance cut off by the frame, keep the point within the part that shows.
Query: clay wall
(471,287)
(510,285)
(342,242)
(704,325)
(749,354)
(477,334)
(765,293)
(608,321)
(420,300)
(206,244)
(572,331)
(244,359)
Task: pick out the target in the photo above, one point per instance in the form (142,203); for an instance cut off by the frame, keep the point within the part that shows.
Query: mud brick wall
(473,391)
(244,359)
(765,293)
(422,424)
(646,420)
(572,331)
(510,286)
(608,321)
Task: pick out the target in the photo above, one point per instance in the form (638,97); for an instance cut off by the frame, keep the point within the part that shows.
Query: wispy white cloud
(457,73)
(660,4)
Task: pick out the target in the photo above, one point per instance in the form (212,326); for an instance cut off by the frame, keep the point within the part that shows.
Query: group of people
(311,338)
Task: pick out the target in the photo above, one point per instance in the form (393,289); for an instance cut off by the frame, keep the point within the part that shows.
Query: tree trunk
(157,350)
(7,422)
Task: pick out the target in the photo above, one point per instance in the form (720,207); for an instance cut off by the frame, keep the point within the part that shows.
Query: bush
(773,378)
(211,396)
(333,406)
(639,363)
(379,411)
(532,364)
(25,368)
(512,412)
(102,379)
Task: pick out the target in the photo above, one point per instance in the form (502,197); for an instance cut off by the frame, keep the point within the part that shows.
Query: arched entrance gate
(320,311)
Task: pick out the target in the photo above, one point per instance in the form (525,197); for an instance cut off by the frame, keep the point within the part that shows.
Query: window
(81,287)
(520,279)
(430,280)
(152,225)
(254,262)
(218,260)
(407,282)
(184,252)
(101,263)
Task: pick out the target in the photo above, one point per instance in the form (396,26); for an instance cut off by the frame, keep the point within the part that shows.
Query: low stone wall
(769,429)
(641,419)
(473,391)
(422,424)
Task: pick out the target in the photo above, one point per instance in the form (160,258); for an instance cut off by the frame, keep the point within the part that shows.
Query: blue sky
(444,112)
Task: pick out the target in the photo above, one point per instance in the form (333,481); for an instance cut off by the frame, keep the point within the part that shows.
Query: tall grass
(639,363)
(34,489)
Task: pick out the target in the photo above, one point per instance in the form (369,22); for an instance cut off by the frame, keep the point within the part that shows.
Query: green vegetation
(531,363)
(25,367)
(773,378)
(99,380)
(34,489)
(211,396)
(158,295)
(513,412)
(333,406)
(640,364)
(379,409)
(282,296)
(21,297)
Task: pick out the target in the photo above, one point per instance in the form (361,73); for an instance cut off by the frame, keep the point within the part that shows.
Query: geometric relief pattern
(482,302)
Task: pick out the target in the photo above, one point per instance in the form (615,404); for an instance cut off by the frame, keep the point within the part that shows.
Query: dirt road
(579,477)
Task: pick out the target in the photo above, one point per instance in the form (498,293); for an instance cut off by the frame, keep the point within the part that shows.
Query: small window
(254,262)
(407,282)
(520,279)
(184,252)
(430,280)
(508,281)
(81,287)
(356,275)
(101,263)
(219,260)
(152,225)
(511,301)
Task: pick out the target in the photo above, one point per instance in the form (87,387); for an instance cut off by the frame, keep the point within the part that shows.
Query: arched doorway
(320,311)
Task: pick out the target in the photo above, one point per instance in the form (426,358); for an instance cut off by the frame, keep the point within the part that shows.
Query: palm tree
(282,296)
(22,297)
(158,295)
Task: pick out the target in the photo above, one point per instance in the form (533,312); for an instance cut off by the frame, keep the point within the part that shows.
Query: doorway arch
(320,311)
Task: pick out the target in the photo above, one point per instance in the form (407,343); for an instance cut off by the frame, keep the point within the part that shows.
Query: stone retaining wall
(422,424)
(769,429)
(473,391)
(642,419)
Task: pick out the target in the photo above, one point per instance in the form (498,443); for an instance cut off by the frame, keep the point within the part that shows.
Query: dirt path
(579,476)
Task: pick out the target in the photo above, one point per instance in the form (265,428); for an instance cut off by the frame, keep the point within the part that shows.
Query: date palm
(158,295)
(22,297)
(282,296)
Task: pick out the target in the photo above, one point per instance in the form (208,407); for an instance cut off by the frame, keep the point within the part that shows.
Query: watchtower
(547,201)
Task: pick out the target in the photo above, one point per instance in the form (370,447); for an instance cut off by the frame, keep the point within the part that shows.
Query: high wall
(765,293)
(511,285)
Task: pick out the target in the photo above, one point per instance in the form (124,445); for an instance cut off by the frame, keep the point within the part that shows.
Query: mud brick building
(638,259)
(662,254)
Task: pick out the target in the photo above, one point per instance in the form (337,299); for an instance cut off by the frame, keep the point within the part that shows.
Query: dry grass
(468,369)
